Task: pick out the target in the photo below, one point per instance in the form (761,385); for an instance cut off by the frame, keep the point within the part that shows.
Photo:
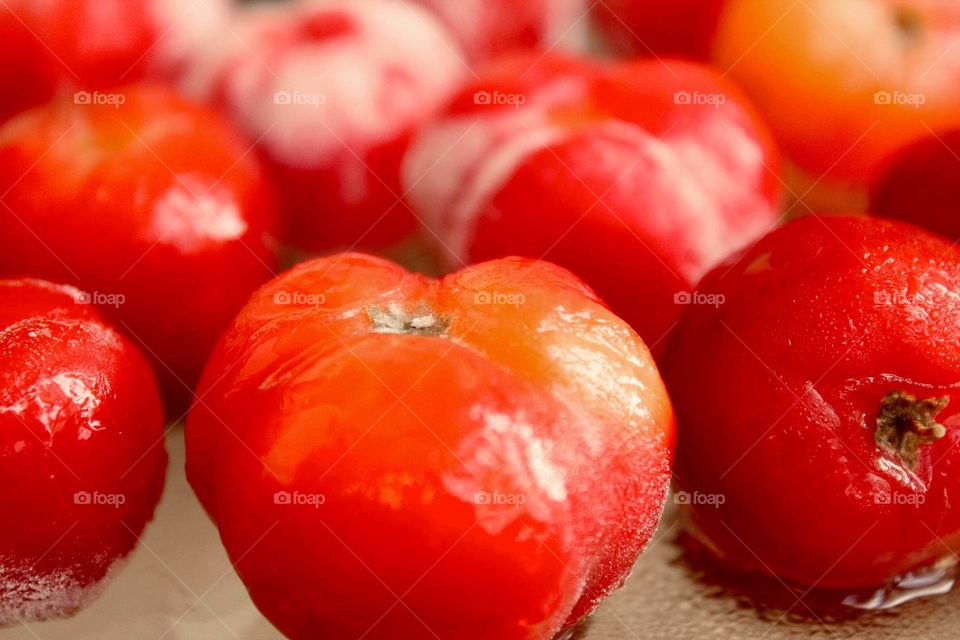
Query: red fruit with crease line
(636,176)
(821,400)
(493,446)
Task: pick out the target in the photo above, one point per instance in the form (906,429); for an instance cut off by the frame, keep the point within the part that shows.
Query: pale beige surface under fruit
(179,586)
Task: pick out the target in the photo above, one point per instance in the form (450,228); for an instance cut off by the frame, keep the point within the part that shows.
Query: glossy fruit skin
(778,390)
(62,46)
(610,171)
(157,201)
(80,415)
(683,28)
(841,82)
(922,185)
(330,91)
(488,29)
(519,384)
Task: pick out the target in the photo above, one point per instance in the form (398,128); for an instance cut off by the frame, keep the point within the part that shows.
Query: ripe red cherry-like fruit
(330,92)
(63,46)
(153,205)
(637,176)
(818,401)
(81,449)
(391,456)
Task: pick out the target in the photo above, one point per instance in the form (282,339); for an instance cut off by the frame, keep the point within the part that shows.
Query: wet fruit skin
(330,91)
(922,185)
(61,46)
(786,393)
(493,448)
(637,176)
(841,83)
(155,206)
(80,415)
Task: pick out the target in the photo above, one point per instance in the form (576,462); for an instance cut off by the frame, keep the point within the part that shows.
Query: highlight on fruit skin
(497,434)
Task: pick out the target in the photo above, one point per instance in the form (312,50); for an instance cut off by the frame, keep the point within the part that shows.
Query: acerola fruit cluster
(467,435)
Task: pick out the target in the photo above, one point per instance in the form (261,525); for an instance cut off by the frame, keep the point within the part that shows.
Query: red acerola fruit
(638,177)
(81,450)
(818,403)
(652,27)
(486,29)
(62,46)
(153,205)
(922,185)
(330,91)
(374,441)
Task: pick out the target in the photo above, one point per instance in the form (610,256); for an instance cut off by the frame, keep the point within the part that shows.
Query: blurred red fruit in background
(845,85)
(62,46)
(637,176)
(330,92)
(152,204)
(922,185)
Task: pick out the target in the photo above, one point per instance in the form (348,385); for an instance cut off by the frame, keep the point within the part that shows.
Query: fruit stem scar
(904,423)
(394,319)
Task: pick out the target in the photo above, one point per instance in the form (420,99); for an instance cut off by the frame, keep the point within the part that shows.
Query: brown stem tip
(904,423)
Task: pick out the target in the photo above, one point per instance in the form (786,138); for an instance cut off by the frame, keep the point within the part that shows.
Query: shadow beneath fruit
(778,602)
(579,632)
